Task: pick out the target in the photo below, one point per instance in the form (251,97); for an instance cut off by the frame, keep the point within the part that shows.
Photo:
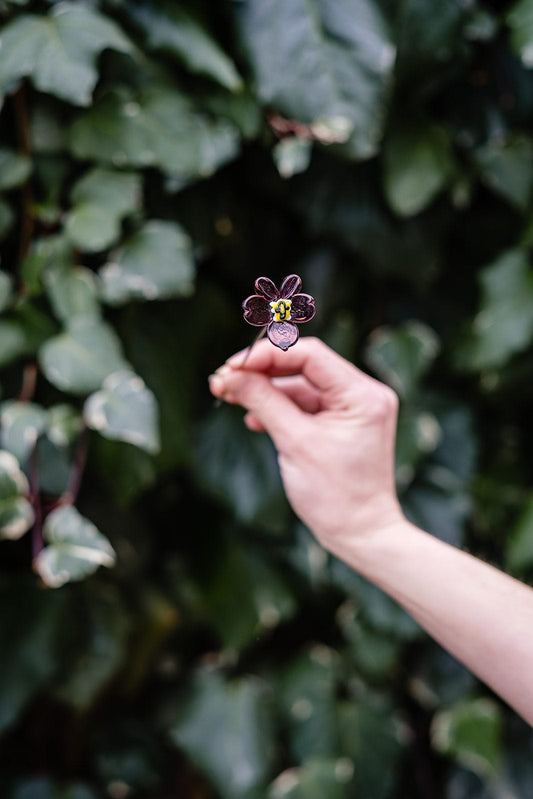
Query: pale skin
(334,430)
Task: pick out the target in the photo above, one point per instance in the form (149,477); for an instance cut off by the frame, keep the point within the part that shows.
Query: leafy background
(167,627)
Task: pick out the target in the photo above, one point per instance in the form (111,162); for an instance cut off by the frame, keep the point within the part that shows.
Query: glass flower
(279,309)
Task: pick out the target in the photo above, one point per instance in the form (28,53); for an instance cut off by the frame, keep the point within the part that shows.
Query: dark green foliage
(167,627)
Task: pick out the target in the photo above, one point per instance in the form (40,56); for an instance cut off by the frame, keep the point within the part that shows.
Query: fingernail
(216,384)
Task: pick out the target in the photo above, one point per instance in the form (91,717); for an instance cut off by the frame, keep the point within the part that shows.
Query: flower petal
(283,334)
(302,308)
(265,286)
(291,284)
(257,310)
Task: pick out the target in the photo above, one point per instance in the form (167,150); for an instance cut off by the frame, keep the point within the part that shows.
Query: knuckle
(384,403)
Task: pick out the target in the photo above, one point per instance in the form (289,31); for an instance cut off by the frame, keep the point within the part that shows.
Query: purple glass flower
(279,309)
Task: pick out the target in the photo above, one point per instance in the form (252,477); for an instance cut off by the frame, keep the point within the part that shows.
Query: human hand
(334,430)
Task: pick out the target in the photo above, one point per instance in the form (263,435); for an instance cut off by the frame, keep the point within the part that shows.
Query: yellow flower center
(281,310)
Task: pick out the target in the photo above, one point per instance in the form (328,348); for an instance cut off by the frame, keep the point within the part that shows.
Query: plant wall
(167,627)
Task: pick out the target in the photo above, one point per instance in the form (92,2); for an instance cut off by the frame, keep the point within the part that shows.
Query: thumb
(278,414)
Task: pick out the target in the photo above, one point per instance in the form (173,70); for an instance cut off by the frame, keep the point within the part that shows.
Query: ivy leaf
(158,127)
(6,290)
(342,49)
(155,263)
(14,168)
(520,21)
(173,30)
(72,292)
(470,732)
(401,357)
(16,513)
(101,198)
(59,51)
(417,166)
(76,549)
(507,168)
(79,359)
(124,410)
(292,156)
(504,323)
(318,777)
(21,424)
(226,729)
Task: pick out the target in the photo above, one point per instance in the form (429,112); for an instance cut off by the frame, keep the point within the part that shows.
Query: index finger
(324,368)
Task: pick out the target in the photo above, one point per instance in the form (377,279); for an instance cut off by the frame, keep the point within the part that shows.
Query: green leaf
(155,263)
(292,156)
(306,690)
(6,290)
(403,355)
(317,778)
(16,513)
(72,292)
(259,601)
(7,218)
(64,423)
(242,470)
(102,198)
(470,732)
(76,549)
(504,323)
(47,253)
(520,21)
(226,730)
(507,168)
(519,544)
(104,627)
(158,127)
(373,739)
(59,51)
(14,168)
(34,631)
(124,410)
(21,424)
(79,360)
(417,166)
(173,30)
(343,50)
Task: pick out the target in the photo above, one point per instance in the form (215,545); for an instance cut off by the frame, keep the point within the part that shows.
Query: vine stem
(29,380)
(70,495)
(37,542)
(22,121)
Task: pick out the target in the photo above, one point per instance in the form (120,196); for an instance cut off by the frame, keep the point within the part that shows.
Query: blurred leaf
(16,513)
(79,360)
(504,323)
(72,292)
(506,167)
(59,50)
(418,165)
(173,30)
(259,600)
(157,128)
(104,626)
(75,548)
(155,263)
(124,409)
(7,217)
(31,633)
(292,155)
(6,286)
(371,737)
(401,357)
(14,168)
(64,423)
(23,332)
(226,730)
(306,691)
(520,22)
(21,424)
(52,253)
(241,469)
(470,732)
(133,469)
(317,778)
(417,435)
(519,544)
(343,51)
(101,199)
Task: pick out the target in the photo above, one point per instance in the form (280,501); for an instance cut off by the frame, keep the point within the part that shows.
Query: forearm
(479,614)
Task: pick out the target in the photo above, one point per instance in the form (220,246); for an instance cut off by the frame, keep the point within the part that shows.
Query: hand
(334,430)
